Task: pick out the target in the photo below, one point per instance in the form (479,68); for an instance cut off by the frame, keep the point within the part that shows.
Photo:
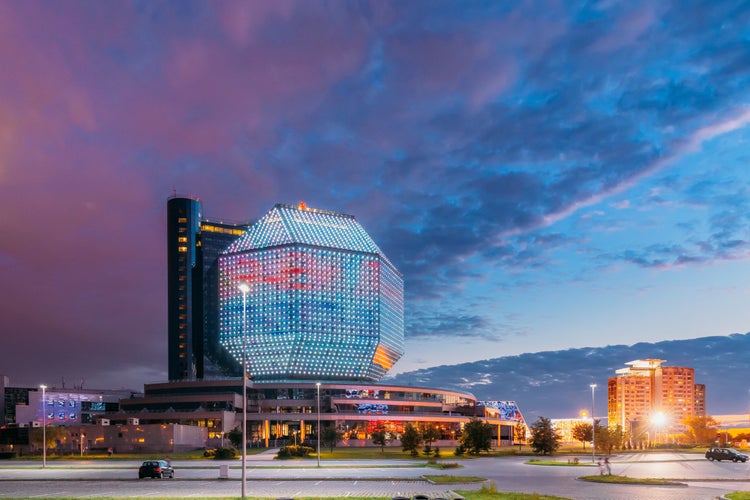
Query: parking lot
(701,478)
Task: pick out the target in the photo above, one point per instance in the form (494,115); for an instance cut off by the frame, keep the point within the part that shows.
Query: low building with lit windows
(282,413)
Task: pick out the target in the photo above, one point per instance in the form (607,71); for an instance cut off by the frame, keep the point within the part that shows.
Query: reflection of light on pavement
(660,469)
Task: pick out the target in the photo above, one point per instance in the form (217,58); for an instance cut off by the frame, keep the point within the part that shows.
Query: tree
(235,437)
(544,438)
(330,436)
(602,439)
(380,438)
(411,439)
(582,432)
(701,430)
(476,436)
(617,437)
(609,438)
(53,434)
(519,433)
(430,434)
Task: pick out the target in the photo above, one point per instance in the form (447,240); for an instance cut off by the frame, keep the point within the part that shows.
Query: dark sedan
(156,469)
(725,454)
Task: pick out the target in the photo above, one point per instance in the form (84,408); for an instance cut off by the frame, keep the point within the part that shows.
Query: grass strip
(615,479)
(484,494)
(450,479)
(468,495)
(535,461)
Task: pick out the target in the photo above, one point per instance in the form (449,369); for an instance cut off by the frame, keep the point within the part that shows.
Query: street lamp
(244,288)
(659,420)
(317,384)
(593,425)
(44,425)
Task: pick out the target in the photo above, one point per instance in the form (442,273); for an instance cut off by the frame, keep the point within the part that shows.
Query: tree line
(545,439)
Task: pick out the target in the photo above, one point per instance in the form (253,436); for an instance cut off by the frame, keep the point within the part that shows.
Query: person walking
(601,467)
(606,464)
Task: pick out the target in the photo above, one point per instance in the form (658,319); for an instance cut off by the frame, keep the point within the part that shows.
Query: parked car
(725,454)
(155,468)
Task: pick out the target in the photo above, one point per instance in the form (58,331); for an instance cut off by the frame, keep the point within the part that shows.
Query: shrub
(294,451)
(225,453)
(209,453)
(491,488)
(460,450)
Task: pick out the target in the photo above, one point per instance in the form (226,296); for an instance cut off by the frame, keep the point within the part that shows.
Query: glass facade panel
(324,302)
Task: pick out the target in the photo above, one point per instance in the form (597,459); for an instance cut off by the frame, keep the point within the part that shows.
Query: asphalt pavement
(699,478)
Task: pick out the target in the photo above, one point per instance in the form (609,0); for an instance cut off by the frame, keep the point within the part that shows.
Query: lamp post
(659,421)
(317,385)
(44,425)
(244,288)
(593,425)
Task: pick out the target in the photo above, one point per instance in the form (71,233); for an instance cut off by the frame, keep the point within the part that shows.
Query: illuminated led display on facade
(508,409)
(324,302)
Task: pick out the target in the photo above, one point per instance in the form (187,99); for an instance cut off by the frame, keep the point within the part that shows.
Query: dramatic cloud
(530,167)
(556,384)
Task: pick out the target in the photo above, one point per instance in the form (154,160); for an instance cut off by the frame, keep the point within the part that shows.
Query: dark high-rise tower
(184,300)
(193,246)
(215,237)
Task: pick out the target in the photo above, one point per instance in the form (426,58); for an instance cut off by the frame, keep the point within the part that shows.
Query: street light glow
(659,419)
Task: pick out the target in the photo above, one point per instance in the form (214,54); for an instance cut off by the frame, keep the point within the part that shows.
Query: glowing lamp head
(244,287)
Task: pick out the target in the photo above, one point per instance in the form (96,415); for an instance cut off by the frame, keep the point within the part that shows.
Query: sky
(546,175)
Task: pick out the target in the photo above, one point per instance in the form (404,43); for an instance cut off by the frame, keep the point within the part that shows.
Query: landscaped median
(614,479)
(491,493)
(449,479)
(488,490)
(570,463)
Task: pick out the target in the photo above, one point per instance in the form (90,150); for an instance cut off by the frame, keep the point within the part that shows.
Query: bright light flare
(659,419)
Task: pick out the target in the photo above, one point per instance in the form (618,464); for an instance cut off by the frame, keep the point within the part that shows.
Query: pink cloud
(627,30)
(241,20)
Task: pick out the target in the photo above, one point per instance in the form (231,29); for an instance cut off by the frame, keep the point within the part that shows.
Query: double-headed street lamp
(44,425)
(244,288)
(593,425)
(317,385)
